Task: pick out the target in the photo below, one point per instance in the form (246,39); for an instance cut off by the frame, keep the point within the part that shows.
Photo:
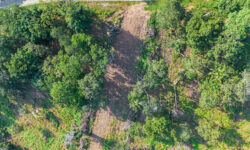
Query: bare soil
(121,74)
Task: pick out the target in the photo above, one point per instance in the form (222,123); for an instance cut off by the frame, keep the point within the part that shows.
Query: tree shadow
(106,143)
(97,139)
(121,73)
(244,113)
(8,114)
(233,138)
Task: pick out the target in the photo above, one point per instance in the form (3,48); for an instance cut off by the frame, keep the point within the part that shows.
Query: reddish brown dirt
(121,74)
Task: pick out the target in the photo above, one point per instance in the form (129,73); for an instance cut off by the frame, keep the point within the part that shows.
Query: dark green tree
(78,18)
(22,64)
(90,87)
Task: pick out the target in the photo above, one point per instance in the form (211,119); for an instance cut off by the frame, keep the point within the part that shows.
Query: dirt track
(121,76)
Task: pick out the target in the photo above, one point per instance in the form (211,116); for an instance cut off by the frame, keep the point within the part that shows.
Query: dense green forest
(52,66)
(209,46)
(48,48)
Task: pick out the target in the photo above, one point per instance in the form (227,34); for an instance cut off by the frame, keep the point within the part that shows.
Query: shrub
(16,128)
(52,118)
(213,124)
(78,18)
(184,132)
(22,110)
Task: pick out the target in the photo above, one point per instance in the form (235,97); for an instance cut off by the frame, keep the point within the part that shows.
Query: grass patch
(107,144)
(244,131)
(154,5)
(91,124)
(52,118)
(47,132)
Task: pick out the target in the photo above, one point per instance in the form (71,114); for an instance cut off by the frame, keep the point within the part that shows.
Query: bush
(213,124)
(184,132)
(23,65)
(89,86)
(108,144)
(46,134)
(16,128)
(191,75)
(157,128)
(78,18)
(135,130)
(170,15)
(52,118)
(22,110)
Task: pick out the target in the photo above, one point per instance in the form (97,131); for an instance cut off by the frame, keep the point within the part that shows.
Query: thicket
(212,42)
(50,47)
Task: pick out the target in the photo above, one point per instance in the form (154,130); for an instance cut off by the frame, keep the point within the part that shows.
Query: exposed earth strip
(121,73)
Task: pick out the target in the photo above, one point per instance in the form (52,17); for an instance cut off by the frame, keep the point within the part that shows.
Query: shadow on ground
(121,73)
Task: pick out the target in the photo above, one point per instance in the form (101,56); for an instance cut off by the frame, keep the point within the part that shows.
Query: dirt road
(121,74)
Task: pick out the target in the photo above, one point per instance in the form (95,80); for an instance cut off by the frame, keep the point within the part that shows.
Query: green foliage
(91,124)
(48,47)
(203,28)
(37,137)
(63,35)
(39,50)
(156,127)
(77,18)
(135,130)
(209,131)
(170,14)
(80,42)
(62,67)
(212,125)
(107,144)
(7,115)
(210,95)
(22,110)
(15,128)
(232,47)
(70,115)
(7,119)
(46,133)
(229,94)
(156,74)
(218,37)
(52,118)
(24,24)
(64,92)
(217,32)
(4,146)
(228,6)
(184,132)
(154,79)
(149,49)
(22,64)
(82,56)
(185,2)
(196,66)
(89,86)
(136,96)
